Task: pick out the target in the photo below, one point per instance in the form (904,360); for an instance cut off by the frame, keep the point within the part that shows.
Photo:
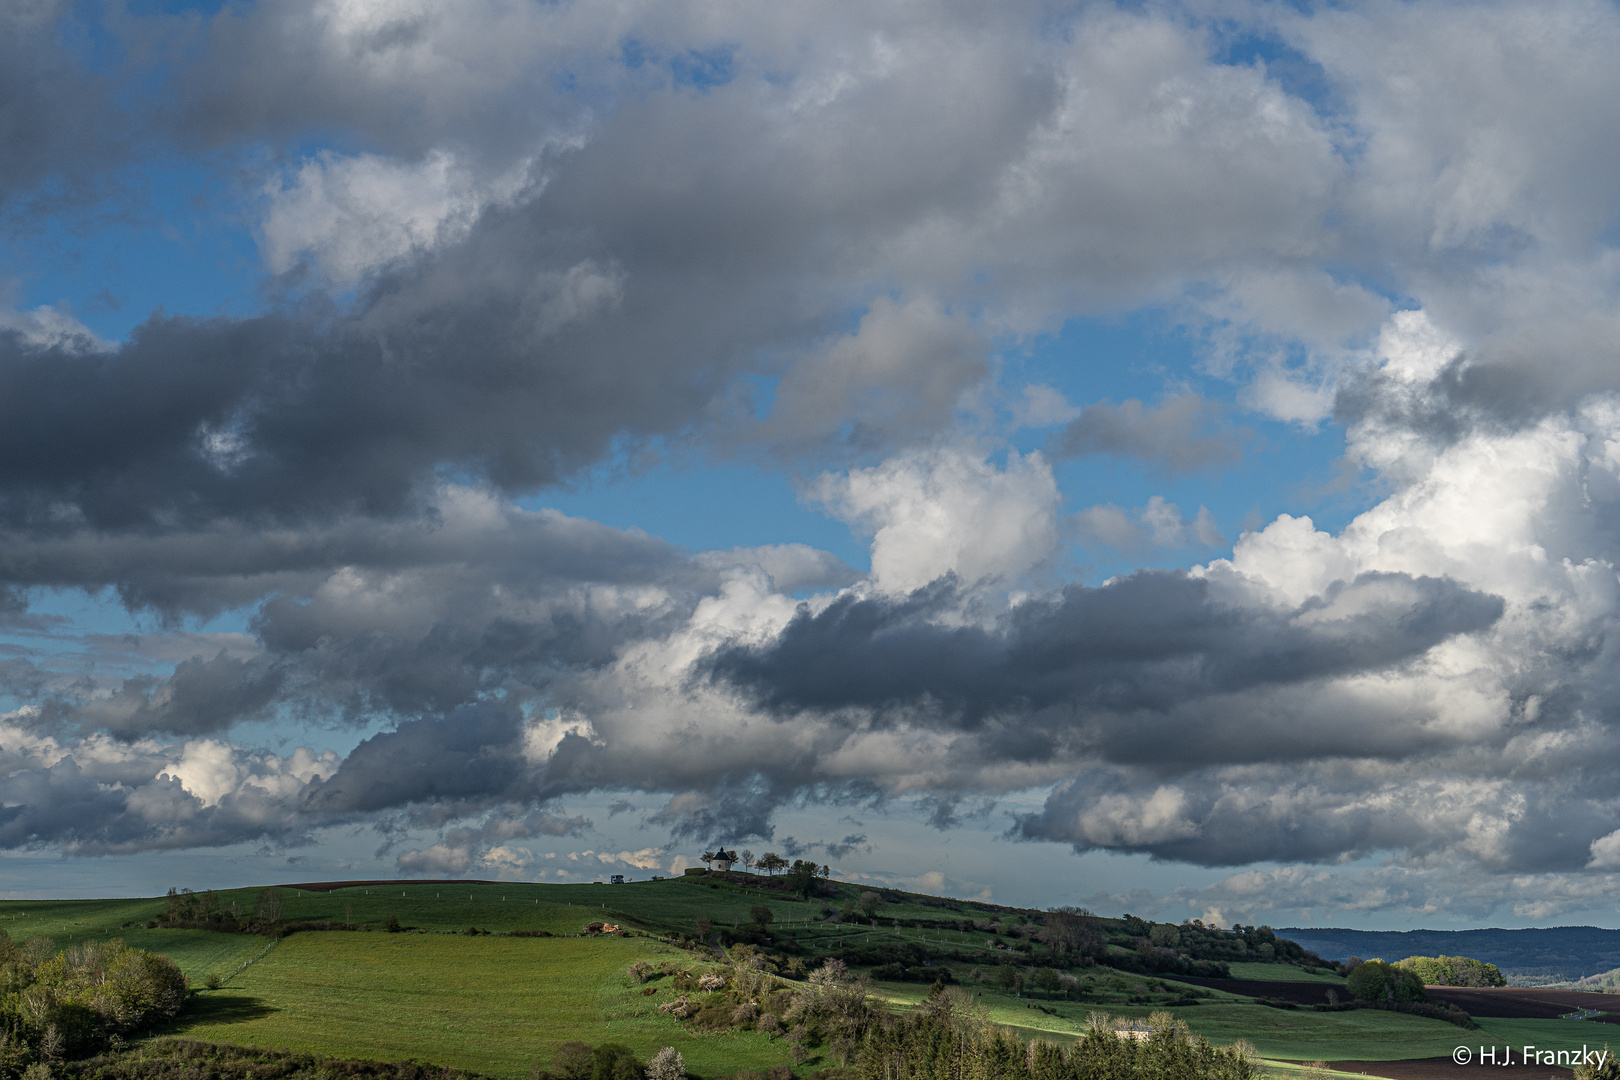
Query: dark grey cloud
(1153,641)
(744,251)
(1327,812)
(202,697)
(379,618)
(59,124)
(464,759)
(1181,434)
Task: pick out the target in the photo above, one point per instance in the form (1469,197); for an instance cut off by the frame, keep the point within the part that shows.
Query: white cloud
(52,327)
(437,859)
(944,510)
(352,215)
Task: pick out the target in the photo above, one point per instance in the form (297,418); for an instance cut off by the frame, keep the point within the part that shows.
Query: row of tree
(944,1040)
(184,909)
(770,862)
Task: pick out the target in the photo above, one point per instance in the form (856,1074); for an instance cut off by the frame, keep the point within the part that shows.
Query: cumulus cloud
(544,236)
(944,511)
(98,796)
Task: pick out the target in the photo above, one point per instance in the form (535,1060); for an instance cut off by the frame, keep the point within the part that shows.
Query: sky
(1160,457)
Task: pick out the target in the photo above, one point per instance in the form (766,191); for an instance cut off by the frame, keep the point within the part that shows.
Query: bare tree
(747,859)
(270,905)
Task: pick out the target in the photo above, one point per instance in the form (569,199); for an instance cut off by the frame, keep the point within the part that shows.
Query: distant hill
(1526,957)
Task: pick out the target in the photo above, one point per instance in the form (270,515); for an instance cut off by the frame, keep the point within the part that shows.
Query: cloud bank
(505,245)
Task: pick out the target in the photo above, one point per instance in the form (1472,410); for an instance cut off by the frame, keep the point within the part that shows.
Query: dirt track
(1507,1001)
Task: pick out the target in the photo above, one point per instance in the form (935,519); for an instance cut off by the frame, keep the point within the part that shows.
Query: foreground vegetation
(185,1059)
(59,1005)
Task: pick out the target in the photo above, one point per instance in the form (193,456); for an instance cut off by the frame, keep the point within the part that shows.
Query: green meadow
(500,1005)
(497,1006)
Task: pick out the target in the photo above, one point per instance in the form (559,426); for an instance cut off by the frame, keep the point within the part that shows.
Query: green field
(497,1006)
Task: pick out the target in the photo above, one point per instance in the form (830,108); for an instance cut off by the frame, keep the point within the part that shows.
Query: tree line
(945,1040)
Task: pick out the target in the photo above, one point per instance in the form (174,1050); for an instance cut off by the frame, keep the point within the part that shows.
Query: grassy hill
(499,1005)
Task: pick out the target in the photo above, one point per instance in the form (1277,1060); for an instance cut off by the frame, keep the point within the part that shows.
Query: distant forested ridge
(1526,957)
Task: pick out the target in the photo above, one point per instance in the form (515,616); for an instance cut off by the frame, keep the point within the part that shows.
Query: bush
(1447,1012)
(777,1072)
(667,1064)
(1374,980)
(902,973)
(613,1062)
(105,988)
(572,1061)
(1608,1070)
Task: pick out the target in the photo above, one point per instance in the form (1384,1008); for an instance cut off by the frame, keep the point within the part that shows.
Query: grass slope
(653,905)
(498,1006)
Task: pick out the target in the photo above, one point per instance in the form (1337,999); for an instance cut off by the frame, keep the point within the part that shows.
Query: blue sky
(1151,458)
